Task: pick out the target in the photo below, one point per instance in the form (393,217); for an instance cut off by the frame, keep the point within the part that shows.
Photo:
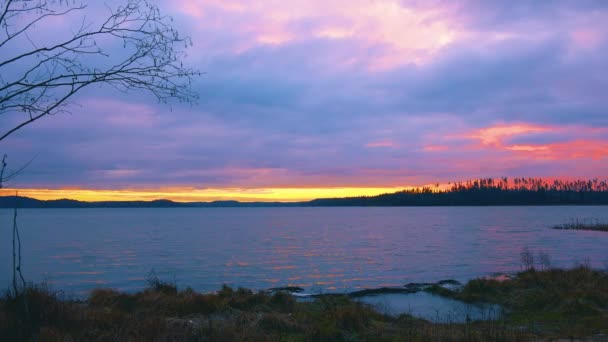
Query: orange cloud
(527,148)
(494,138)
(579,149)
(496,134)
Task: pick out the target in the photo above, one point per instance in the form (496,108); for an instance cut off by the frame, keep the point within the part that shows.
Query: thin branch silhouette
(134,48)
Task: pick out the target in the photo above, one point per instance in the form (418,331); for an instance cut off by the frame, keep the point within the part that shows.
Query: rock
(449,282)
(381,290)
(417,287)
(292,289)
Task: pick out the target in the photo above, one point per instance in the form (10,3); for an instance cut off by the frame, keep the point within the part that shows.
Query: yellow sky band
(201,195)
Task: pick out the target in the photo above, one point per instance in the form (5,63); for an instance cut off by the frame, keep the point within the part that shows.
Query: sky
(304,99)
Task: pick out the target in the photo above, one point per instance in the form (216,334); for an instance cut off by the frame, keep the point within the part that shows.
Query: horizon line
(269,194)
(189,195)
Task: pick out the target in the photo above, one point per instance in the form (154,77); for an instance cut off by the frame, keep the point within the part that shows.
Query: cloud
(407,35)
(363,93)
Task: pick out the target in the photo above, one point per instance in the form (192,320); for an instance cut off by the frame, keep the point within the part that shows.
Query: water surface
(433,308)
(320,249)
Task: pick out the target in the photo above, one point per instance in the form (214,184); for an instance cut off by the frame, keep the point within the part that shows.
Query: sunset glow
(306,99)
(279,169)
(201,195)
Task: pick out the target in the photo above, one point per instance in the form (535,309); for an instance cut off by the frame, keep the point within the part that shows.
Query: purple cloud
(322,98)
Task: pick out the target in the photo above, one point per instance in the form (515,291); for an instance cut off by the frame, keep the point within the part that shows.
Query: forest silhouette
(489,191)
(477,192)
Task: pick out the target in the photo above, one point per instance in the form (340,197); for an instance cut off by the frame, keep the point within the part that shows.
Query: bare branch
(49,75)
(5,10)
(33,22)
(2,168)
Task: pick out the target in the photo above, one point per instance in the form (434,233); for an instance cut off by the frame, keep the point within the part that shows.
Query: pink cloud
(528,148)
(409,35)
(579,149)
(496,138)
(435,148)
(496,134)
(402,32)
(382,143)
(586,38)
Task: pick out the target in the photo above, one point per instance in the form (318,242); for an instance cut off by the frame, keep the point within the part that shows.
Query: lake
(320,249)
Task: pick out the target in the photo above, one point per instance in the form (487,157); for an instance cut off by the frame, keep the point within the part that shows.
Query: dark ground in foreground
(541,305)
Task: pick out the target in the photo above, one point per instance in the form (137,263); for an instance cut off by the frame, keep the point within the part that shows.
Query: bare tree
(134,47)
(16,235)
(2,168)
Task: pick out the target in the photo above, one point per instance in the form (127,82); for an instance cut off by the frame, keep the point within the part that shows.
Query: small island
(592,225)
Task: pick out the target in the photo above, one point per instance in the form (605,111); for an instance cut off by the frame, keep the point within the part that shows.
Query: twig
(2,170)
(16,228)
(15,288)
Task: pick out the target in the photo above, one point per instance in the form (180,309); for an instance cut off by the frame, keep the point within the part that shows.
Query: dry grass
(556,302)
(156,314)
(542,305)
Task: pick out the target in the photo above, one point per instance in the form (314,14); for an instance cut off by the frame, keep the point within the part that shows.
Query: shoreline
(414,199)
(538,304)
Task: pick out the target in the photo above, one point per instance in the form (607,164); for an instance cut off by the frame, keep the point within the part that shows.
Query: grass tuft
(158,285)
(572,302)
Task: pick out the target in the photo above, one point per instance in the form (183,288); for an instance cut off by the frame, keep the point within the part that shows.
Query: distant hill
(480,192)
(26,202)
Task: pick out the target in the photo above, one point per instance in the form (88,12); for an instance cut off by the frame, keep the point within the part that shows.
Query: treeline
(489,191)
(530,184)
(477,192)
